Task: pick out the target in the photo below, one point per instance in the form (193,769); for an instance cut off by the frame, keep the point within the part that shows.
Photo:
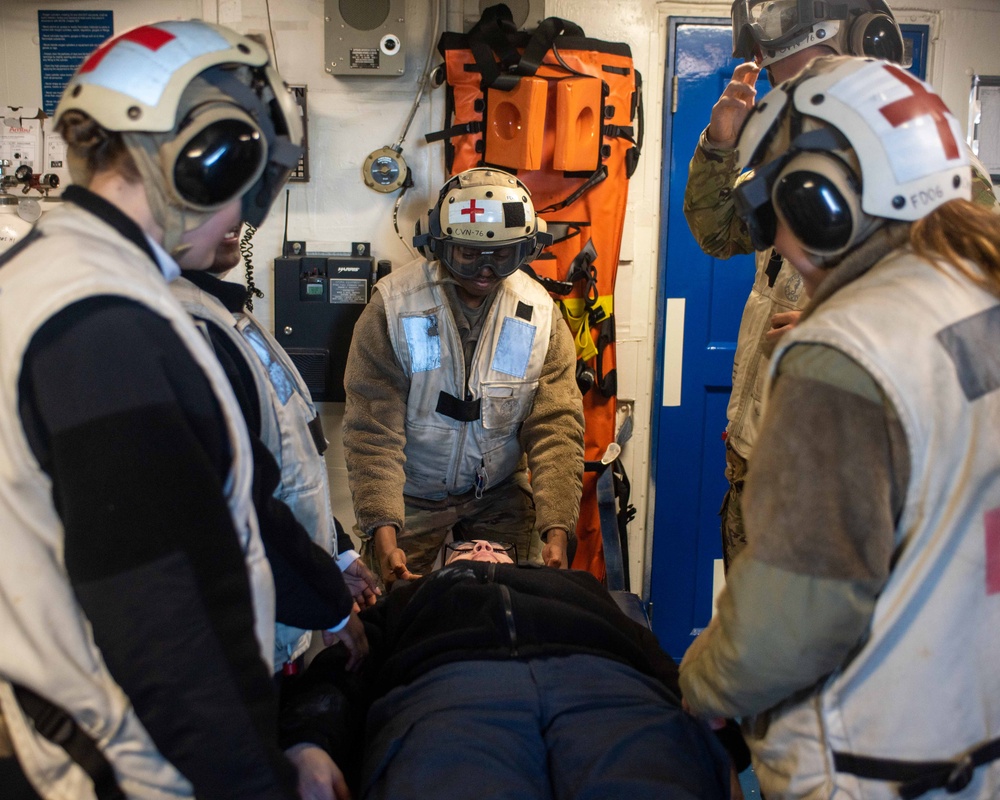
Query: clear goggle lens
(467,261)
(766,23)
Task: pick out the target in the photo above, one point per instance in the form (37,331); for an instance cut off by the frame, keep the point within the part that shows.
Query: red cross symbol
(147,36)
(920,103)
(471,210)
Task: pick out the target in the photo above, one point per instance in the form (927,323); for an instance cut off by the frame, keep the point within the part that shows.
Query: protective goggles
(503,259)
(770,25)
(469,547)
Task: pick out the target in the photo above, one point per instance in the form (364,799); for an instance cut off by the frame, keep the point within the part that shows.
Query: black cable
(246,250)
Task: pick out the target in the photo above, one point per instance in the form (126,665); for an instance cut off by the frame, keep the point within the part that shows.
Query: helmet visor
(467,261)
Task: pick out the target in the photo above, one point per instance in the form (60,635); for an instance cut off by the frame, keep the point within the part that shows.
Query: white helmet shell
(134,81)
(484,206)
(910,146)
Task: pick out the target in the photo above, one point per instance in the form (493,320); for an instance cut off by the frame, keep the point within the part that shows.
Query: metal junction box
(365,37)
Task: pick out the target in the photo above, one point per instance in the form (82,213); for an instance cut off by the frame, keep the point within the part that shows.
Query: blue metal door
(700,304)
(700,308)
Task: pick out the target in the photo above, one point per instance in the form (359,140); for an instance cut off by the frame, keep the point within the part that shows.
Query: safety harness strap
(318,436)
(461,410)
(60,728)
(542,40)
(550,284)
(919,777)
(597,177)
(607,505)
(476,126)
(608,513)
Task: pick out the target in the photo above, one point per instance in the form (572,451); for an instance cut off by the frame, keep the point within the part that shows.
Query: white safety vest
(750,362)
(925,686)
(286,410)
(446,455)
(47,642)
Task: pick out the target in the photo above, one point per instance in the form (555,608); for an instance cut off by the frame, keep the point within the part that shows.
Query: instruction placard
(65,39)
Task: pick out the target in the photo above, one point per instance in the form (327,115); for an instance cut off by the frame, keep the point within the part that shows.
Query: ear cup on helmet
(877,36)
(818,198)
(216,156)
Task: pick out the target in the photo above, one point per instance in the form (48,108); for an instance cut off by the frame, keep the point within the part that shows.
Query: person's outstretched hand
(391,558)
(362,584)
(555,554)
(354,639)
(319,777)
(733,107)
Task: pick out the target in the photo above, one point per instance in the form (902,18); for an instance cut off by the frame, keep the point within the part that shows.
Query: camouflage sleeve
(708,202)
(982,186)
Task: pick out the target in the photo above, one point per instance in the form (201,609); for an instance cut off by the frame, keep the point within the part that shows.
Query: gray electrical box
(365,37)
(317,300)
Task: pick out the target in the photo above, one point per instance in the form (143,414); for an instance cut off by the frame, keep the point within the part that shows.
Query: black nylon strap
(597,177)
(318,437)
(606,382)
(494,33)
(919,777)
(461,410)
(773,267)
(542,40)
(59,728)
(626,132)
(549,284)
(476,126)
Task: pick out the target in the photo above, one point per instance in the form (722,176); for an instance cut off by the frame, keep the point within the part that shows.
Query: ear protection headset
(843,147)
(818,197)
(815,194)
(217,155)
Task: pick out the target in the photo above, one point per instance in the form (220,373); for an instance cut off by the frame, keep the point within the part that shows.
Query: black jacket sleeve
(127,427)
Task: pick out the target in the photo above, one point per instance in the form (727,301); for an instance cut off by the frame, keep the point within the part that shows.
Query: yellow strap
(575,312)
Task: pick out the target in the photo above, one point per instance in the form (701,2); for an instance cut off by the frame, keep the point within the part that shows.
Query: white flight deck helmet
(766,31)
(489,210)
(202,113)
(844,147)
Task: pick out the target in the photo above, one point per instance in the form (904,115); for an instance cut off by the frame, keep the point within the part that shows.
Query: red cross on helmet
(844,146)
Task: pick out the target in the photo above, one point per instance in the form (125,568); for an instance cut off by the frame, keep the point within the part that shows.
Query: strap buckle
(961,775)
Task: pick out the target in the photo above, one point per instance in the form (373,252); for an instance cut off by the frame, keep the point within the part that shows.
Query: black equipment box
(317,300)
